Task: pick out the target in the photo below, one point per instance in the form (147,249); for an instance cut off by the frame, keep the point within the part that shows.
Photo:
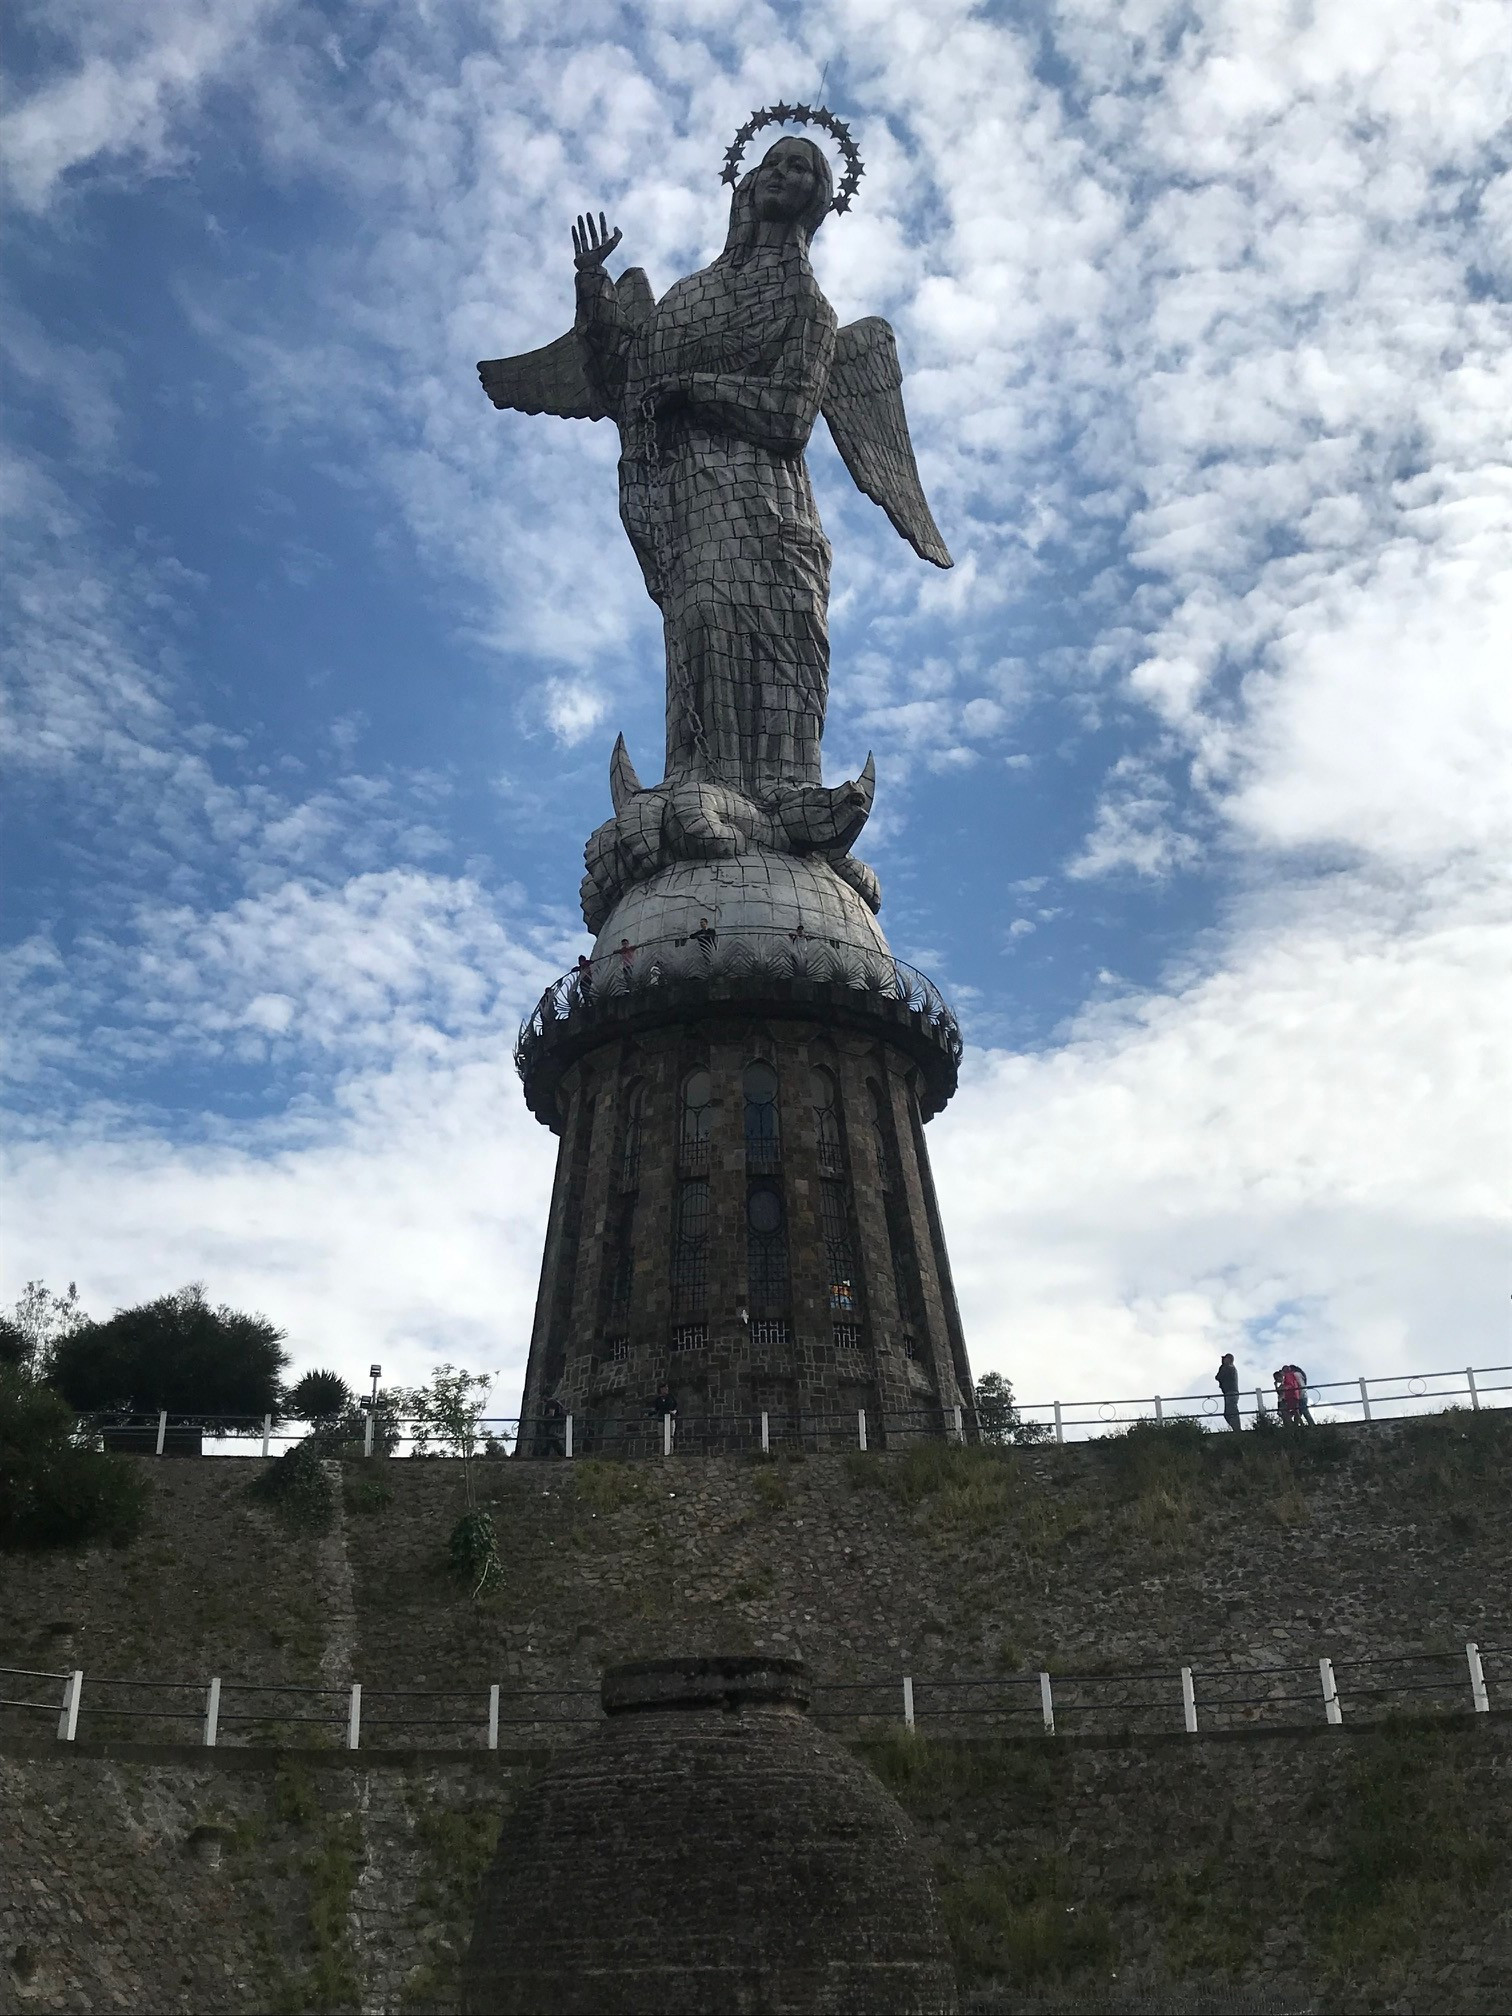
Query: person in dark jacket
(1228,1386)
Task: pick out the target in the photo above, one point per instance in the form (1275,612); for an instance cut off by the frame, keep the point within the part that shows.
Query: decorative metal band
(799,115)
(750,961)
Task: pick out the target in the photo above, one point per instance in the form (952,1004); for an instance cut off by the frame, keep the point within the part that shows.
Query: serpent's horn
(623,782)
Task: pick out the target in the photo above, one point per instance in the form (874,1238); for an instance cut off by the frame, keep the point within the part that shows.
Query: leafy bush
(54,1491)
(299,1487)
(319,1396)
(176,1352)
(474,1550)
(15,1345)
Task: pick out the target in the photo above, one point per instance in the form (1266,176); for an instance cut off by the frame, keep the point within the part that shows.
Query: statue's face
(784,186)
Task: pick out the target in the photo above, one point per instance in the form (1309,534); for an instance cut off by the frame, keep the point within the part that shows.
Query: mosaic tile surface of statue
(715,390)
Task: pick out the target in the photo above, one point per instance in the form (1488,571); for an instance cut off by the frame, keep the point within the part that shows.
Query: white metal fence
(1200,1699)
(1381,1397)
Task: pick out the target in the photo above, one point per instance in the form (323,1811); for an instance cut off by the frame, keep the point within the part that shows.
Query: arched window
(696,1120)
(690,1246)
(630,1149)
(882,1134)
(827,1124)
(840,1257)
(758,1085)
(766,1247)
(905,1255)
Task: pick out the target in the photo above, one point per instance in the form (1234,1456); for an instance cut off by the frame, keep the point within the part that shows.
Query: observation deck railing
(1378,1399)
(724,959)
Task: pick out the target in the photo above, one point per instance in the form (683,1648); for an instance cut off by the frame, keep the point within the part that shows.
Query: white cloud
(1318,1116)
(1205,380)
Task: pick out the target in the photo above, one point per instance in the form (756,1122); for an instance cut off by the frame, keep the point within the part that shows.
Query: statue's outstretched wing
(863,403)
(553,379)
(556,378)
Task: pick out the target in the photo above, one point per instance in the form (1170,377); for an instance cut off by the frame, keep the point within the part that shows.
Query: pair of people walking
(1291,1393)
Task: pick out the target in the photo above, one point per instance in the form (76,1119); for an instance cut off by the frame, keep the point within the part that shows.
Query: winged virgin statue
(715,390)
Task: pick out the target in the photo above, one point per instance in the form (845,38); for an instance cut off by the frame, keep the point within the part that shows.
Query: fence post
(162,1429)
(766,1436)
(908,1716)
(1365,1398)
(367,1433)
(1477,1680)
(1189,1700)
(567,1440)
(1159,1410)
(1060,1435)
(493,1716)
(1259,1403)
(861,1426)
(267,1432)
(666,1434)
(960,1431)
(212,1713)
(354,1716)
(68,1719)
(1331,1706)
(1474,1396)
(1047,1704)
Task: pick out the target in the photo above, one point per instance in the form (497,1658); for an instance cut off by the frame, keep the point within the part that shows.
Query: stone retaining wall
(1313,1870)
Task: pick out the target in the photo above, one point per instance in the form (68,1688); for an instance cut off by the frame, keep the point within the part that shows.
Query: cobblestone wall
(1239,1552)
(1326,1872)
(1244,1552)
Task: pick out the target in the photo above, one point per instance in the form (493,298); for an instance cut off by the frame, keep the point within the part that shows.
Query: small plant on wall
(448,1412)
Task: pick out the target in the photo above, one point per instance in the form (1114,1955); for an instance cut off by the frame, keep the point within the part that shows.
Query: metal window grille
(766,1245)
(834,1215)
(690,1251)
(847,1336)
(827,1125)
(887,1153)
(622,1265)
(910,1345)
(696,1119)
(763,1148)
(689,1336)
(630,1154)
(772,1331)
(619,1350)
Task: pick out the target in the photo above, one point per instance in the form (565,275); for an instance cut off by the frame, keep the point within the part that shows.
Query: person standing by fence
(1304,1412)
(1228,1386)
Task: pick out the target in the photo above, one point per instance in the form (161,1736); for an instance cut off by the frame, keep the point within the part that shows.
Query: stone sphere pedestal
(708,1849)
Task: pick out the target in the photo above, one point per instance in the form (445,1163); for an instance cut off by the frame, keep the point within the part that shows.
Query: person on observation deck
(1304,1412)
(1228,1386)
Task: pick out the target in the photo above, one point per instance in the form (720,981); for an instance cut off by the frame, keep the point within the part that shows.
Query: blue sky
(1192,774)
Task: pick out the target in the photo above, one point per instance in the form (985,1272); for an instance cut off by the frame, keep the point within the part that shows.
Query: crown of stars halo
(799,115)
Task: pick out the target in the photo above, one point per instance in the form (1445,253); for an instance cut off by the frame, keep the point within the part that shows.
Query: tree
(320,1397)
(998,1416)
(55,1492)
(450,1409)
(39,1319)
(176,1353)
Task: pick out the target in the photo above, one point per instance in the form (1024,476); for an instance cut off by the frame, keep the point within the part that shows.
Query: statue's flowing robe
(715,496)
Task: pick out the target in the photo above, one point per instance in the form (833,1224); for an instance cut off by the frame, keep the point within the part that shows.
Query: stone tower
(741,1072)
(743,1205)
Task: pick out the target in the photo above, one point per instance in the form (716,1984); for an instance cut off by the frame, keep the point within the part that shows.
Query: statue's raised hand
(592,243)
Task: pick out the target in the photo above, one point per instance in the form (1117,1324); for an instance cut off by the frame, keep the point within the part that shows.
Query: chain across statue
(715,390)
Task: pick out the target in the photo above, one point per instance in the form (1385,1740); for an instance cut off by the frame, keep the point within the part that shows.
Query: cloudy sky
(1192,774)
